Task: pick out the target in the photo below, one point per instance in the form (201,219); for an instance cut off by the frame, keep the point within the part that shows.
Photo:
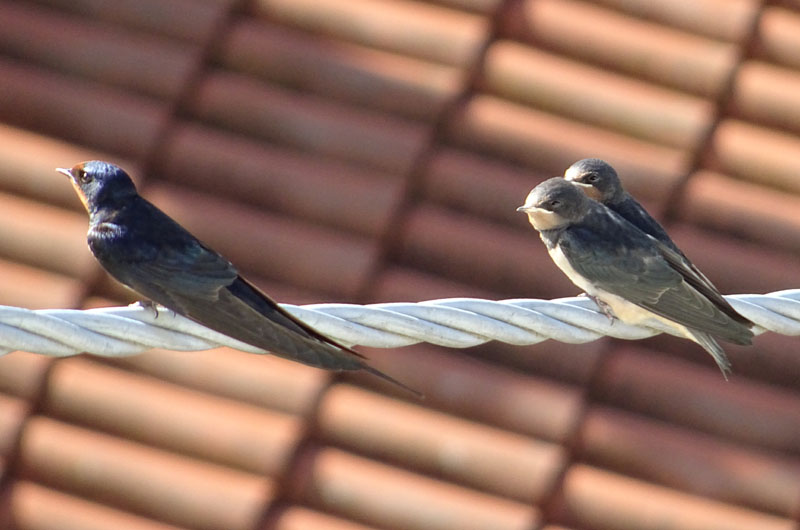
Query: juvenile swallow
(144,249)
(600,182)
(636,276)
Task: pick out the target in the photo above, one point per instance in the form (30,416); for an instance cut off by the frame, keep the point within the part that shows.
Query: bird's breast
(563,263)
(109,240)
(105,230)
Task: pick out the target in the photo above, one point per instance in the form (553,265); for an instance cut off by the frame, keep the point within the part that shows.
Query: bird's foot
(604,308)
(149,304)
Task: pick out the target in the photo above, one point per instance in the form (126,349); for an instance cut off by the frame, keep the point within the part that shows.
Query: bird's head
(100,184)
(597,179)
(555,203)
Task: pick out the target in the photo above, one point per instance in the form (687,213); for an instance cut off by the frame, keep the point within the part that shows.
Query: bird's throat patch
(544,219)
(589,190)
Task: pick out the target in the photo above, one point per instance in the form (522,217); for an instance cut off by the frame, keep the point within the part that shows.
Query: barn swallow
(640,279)
(144,249)
(600,182)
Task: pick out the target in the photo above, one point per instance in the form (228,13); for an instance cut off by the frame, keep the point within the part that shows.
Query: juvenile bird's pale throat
(81,196)
(588,189)
(542,219)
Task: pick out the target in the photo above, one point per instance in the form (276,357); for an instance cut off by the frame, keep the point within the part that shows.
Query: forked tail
(712,346)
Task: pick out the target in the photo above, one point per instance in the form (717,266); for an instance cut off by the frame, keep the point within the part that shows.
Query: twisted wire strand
(451,322)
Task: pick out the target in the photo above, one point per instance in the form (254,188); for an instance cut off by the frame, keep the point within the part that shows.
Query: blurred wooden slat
(481,457)
(593,96)
(150,482)
(414,28)
(341,70)
(549,143)
(312,124)
(34,507)
(319,189)
(189,20)
(155,412)
(615,41)
(142,63)
(85,113)
(685,460)
(606,500)
(720,19)
(380,494)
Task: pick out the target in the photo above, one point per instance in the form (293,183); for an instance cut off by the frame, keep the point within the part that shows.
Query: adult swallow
(600,182)
(146,250)
(639,278)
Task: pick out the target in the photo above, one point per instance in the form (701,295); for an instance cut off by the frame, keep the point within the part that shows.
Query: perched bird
(639,278)
(146,250)
(600,182)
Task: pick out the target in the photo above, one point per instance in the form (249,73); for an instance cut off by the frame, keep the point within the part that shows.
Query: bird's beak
(522,208)
(64,171)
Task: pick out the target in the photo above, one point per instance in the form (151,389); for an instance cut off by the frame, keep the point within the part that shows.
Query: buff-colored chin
(589,190)
(544,219)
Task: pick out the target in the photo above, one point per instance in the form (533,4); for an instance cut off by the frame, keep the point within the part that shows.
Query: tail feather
(356,361)
(361,364)
(245,313)
(374,371)
(711,346)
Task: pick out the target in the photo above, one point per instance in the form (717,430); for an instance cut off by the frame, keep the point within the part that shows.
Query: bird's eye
(592,178)
(83,176)
(555,203)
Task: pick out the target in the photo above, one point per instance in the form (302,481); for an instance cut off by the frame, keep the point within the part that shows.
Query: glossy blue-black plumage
(146,250)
